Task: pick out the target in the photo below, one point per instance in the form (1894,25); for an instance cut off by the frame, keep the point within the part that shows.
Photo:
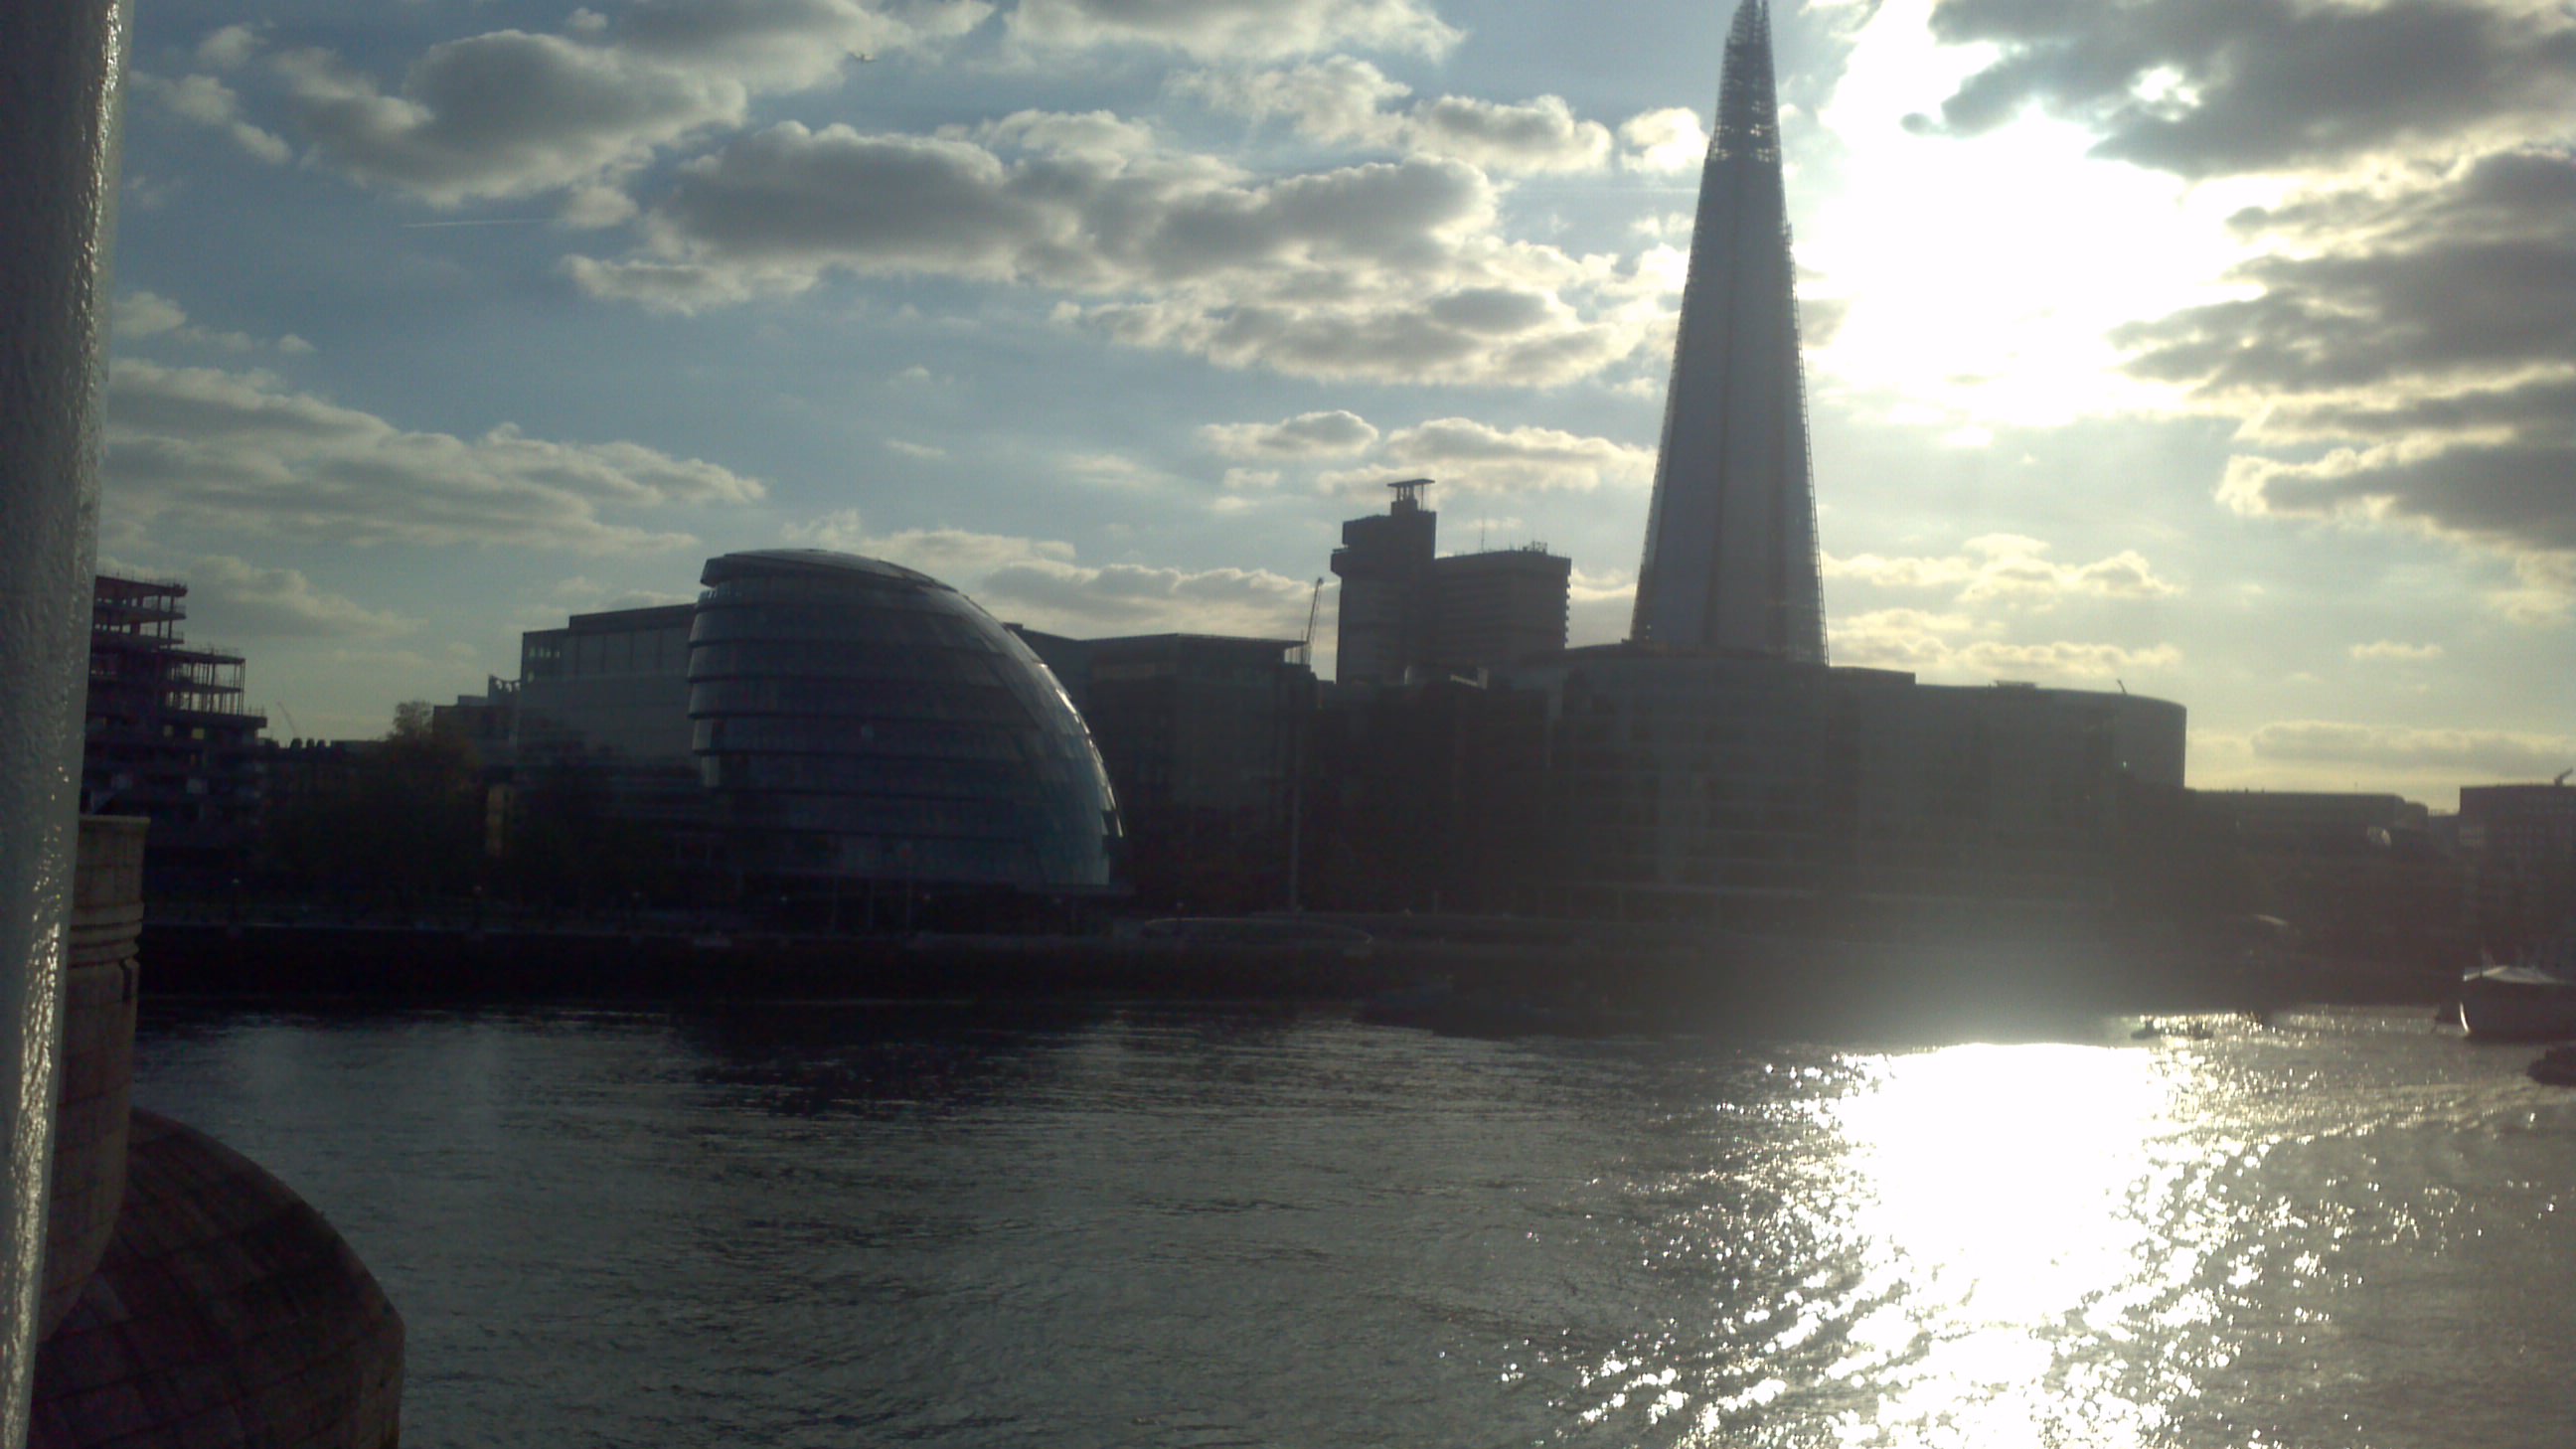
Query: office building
(1731,552)
(1497,607)
(1739,787)
(1384,564)
(605,700)
(1406,612)
(854,720)
(1203,736)
(2521,840)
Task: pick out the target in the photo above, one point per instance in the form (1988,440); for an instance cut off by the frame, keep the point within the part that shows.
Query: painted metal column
(60,82)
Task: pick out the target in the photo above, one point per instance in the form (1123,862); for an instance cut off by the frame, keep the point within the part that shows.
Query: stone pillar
(60,64)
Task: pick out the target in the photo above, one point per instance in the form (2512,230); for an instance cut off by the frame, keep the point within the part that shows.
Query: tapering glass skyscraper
(1731,540)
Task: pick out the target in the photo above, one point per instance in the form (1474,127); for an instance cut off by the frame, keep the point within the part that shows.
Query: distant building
(485,723)
(1202,735)
(857,722)
(2522,841)
(1384,564)
(1429,796)
(167,734)
(1405,611)
(1497,607)
(606,697)
(1731,556)
(1736,786)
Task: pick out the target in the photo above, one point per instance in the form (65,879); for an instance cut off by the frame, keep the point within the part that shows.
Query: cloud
(1388,270)
(1060,595)
(2395,650)
(238,452)
(228,48)
(923,451)
(2494,753)
(2411,347)
(1467,456)
(1307,435)
(1955,647)
(1671,139)
(947,554)
(1039,583)
(1344,100)
(141,315)
(2212,87)
(235,599)
(512,113)
(2005,566)
(1234,29)
(205,101)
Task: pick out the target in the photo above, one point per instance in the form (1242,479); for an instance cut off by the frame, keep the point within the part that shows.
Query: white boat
(2531,1000)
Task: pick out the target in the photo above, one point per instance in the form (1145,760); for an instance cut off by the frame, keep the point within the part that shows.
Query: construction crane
(1306,644)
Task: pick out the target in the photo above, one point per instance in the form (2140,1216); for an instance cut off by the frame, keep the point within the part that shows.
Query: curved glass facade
(857,719)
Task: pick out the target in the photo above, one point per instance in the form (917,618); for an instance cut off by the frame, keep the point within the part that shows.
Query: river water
(845,1225)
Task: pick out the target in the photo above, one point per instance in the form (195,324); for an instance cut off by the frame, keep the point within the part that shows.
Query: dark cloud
(2209,87)
(1388,269)
(512,113)
(2429,325)
(504,114)
(1306,435)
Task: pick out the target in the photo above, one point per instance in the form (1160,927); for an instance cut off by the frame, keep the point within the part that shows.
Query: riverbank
(1658,980)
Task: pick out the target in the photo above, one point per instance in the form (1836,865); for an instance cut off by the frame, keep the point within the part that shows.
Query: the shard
(1730,558)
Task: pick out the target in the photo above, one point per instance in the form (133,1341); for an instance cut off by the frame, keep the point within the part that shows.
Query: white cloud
(238,452)
(231,598)
(2391,649)
(2008,567)
(228,48)
(1958,647)
(923,451)
(2494,753)
(205,101)
(1038,582)
(141,316)
(1307,435)
(1250,480)
(1066,597)
(1344,100)
(1234,29)
(1467,456)
(1668,140)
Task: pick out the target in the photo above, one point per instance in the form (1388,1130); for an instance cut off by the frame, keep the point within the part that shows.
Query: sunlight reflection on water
(2008,1213)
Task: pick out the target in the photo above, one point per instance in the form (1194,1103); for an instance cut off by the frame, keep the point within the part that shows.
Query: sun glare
(1980,278)
(1994,1193)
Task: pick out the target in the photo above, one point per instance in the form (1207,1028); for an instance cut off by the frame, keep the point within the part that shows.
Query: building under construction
(167,735)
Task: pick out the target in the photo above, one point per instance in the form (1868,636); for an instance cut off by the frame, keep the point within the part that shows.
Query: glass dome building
(855,720)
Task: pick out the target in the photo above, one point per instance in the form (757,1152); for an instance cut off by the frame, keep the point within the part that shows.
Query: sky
(2218,350)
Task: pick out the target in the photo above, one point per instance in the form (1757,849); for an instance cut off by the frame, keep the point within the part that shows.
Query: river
(855,1225)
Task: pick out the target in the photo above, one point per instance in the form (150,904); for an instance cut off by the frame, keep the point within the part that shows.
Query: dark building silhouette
(1204,738)
(2522,841)
(1406,611)
(604,700)
(1731,551)
(1384,564)
(168,736)
(1429,796)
